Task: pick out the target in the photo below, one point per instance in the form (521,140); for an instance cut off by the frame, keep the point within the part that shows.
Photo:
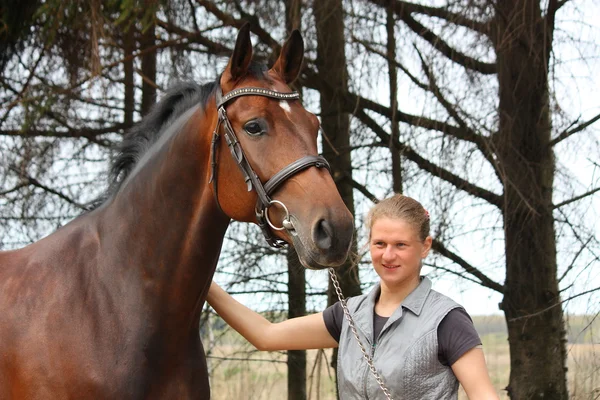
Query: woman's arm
(300,333)
(471,371)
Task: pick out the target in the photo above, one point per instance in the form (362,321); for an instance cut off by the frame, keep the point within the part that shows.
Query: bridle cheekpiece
(264,192)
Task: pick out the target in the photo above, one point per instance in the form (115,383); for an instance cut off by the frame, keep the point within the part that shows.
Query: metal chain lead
(367,357)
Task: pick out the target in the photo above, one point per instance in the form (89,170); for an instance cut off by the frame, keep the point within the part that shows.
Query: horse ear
(242,54)
(289,63)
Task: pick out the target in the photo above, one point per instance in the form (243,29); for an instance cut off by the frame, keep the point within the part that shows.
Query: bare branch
(361,188)
(38,184)
(463,132)
(483,279)
(90,134)
(404,11)
(576,198)
(25,86)
(419,121)
(447,50)
(70,133)
(482,144)
(147,80)
(460,274)
(565,134)
(396,63)
(191,37)
(572,264)
(229,20)
(573,228)
(14,189)
(556,304)
(403,7)
(430,167)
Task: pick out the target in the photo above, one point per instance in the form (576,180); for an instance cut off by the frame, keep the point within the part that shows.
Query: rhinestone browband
(259,92)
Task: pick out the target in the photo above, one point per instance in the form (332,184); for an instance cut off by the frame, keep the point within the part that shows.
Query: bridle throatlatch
(264,192)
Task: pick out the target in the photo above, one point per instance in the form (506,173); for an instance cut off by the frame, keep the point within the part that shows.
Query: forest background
(486,111)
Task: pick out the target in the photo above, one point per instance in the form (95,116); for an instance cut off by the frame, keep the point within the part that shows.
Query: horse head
(275,177)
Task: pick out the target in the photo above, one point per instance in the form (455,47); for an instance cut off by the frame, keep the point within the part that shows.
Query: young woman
(422,343)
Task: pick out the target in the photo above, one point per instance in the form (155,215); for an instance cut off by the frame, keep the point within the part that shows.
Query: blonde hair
(404,208)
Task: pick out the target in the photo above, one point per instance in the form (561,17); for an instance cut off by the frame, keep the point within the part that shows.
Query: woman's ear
(426,246)
(289,63)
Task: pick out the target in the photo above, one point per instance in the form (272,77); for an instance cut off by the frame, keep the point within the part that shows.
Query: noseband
(264,200)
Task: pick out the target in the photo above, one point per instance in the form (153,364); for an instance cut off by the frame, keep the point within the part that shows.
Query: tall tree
(296,359)
(335,121)
(390,28)
(519,151)
(483,136)
(522,37)
(148,70)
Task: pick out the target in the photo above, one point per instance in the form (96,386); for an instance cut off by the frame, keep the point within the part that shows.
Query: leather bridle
(264,192)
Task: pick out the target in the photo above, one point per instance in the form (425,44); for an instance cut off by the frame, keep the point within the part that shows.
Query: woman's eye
(253,128)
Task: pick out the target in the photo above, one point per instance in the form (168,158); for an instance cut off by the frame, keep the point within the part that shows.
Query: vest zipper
(368,371)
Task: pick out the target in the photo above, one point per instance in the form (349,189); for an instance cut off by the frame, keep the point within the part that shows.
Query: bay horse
(108,306)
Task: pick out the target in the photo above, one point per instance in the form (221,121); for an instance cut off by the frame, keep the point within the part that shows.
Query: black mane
(175,102)
(143,135)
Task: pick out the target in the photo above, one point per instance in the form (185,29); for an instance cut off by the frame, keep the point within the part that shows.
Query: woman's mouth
(390,266)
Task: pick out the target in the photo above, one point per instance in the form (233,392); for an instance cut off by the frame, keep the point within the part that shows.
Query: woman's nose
(388,253)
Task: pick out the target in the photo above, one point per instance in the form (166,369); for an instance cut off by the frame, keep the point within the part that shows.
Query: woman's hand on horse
(300,333)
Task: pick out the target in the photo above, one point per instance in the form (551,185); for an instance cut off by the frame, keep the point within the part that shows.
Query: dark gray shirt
(456,333)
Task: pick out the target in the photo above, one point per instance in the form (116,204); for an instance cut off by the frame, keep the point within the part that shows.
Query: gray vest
(406,351)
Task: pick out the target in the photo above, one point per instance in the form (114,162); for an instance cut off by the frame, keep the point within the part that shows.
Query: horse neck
(169,229)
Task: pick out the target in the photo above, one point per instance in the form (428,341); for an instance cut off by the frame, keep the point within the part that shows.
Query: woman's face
(397,251)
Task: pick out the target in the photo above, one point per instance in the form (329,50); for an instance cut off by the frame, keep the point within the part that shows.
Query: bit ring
(286,223)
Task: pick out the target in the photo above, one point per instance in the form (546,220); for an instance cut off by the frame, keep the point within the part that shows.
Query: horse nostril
(323,235)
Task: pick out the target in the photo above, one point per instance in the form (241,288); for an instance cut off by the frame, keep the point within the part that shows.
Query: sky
(578,82)
(577,89)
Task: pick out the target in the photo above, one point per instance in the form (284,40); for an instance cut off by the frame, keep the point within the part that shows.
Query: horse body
(105,311)
(109,305)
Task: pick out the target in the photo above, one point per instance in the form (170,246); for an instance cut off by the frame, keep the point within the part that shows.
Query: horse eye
(253,128)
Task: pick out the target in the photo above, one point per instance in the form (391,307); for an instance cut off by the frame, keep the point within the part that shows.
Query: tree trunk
(128,78)
(331,62)
(147,41)
(296,359)
(531,300)
(393,74)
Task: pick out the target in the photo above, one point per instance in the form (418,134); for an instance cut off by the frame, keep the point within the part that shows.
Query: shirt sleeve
(333,317)
(456,336)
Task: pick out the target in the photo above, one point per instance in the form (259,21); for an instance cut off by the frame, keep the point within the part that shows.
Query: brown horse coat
(108,306)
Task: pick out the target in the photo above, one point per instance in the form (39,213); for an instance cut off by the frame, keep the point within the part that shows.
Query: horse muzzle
(324,243)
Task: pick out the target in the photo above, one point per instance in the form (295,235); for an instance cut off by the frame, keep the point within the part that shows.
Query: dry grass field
(238,375)
(238,372)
